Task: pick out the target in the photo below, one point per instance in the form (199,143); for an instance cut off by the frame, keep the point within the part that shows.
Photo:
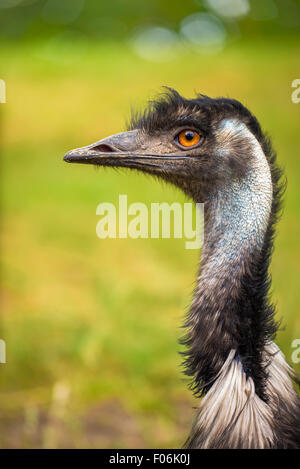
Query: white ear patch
(231,130)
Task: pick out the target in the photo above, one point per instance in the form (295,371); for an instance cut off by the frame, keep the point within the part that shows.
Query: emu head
(198,144)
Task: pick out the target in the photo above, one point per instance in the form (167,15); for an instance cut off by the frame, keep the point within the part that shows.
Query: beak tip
(69,156)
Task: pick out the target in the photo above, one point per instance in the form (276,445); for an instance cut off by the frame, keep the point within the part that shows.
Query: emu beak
(119,150)
(108,151)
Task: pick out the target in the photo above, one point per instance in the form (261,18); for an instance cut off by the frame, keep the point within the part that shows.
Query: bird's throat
(228,308)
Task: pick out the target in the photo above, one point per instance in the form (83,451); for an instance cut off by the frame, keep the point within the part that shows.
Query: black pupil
(189,135)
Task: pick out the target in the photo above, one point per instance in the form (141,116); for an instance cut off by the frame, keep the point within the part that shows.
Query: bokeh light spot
(204,31)
(156,44)
(229,8)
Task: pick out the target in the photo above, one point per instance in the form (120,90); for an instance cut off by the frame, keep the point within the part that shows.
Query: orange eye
(188,138)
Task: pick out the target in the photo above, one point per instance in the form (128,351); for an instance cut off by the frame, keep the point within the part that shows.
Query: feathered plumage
(248,400)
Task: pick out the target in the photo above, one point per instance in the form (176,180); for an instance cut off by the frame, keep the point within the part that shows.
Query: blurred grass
(91,326)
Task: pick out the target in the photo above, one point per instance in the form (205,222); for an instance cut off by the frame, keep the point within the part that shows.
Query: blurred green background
(91,326)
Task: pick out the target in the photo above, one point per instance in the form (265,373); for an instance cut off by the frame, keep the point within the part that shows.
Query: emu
(215,151)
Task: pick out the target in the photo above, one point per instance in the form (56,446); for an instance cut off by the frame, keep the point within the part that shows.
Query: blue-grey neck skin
(238,215)
(241,208)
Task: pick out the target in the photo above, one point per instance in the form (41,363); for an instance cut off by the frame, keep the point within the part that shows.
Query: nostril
(104,148)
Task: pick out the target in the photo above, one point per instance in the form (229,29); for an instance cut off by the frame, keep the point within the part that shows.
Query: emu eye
(188,138)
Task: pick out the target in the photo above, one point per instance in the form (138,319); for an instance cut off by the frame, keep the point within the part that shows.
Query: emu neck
(237,220)
(229,306)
